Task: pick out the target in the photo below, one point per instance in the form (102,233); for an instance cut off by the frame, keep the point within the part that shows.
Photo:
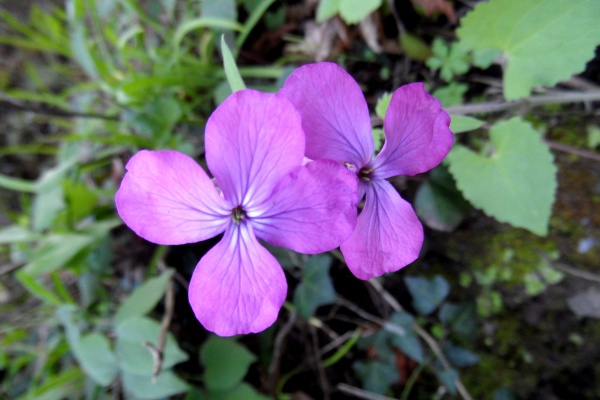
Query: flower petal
(312,210)
(388,234)
(167,198)
(335,116)
(238,287)
(417,137)
(253,139)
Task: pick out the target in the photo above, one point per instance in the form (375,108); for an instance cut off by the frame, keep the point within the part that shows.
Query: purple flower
(254,149)
(336,121)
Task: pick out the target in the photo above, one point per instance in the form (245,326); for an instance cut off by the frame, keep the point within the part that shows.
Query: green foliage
(134,356)
(452,94)
(145,298)
(351,11)
(226,363)
(427,294)
(316,289)
(537,37)
(376,376)
(461,123)
(450,59)
(414,47)
(231,71)
(95,356)
(515,182)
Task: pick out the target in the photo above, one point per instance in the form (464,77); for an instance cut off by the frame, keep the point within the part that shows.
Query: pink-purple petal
(166,198)
(253,140)
(417,134)
(312,210)
(388,234)
(335,116)
(238,287)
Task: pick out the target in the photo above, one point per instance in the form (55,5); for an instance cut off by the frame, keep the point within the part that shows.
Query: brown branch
(424,335)
(277,352)
(533,101)
(361,393)
(158,350)
(592,155)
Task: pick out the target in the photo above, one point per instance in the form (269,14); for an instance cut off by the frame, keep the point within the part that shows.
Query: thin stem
(553,98)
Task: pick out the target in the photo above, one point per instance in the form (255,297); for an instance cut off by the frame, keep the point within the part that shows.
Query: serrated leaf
(516,184)
(144,298)
(133,356)
(225,363)
(545,41)
(354,11)
(142,386)
(316,288)
(427,294)
(376,376)
(461,123)
(407,341)
(93,353)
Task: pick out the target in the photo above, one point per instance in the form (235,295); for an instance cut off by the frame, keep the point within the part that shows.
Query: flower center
(365,174)
(238,214)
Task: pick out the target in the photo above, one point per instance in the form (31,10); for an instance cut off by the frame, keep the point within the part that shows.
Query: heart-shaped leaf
(516,184)
(545,41)
(427,294)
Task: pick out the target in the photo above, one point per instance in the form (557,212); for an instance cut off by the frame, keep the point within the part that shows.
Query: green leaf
(414,47)
(450,59)
(376,376)
(241,391)
(447,378)
(231,71)
(458,356)
(382,105)
(37,289)
(16,234)
(225,363)
(19,185)
(133,356)
(191,25)
(461,123)
(451,94)
(80,199)
(516,184)
(316,289)
(408,341)
(427,294)
(55,251)
(144,298)
(354,11)
(327,9)
(93,353)
(461,318)
(545,41)
(143,387)
(438,203)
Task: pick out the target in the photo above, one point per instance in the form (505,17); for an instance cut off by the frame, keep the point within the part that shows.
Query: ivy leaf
(462,318)
(458,356)
(516,184)
(408,342)
(376,376)
(316,289)
(545,41)
(427,294)
(225,363)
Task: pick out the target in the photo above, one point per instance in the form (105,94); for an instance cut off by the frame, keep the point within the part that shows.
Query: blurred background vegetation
(88,310)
